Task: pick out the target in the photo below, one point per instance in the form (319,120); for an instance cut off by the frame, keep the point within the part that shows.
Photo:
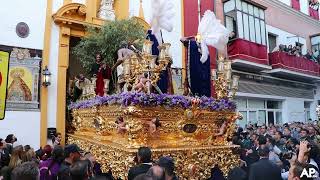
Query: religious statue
(121,125)
(154,124)
(222,129)
(165,81)
(162,18)
(79,85)
(197,80)
(123,53)
(102,72)
(106,10)
(142,85)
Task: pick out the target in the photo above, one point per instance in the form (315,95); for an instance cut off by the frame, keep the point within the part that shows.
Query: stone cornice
(284,7)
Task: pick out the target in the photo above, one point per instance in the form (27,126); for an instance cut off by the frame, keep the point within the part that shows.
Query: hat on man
(71,148)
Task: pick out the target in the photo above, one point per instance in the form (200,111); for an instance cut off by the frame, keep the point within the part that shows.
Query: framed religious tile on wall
(23,81)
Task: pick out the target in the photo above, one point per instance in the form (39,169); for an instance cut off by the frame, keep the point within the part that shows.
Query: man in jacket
(144,161)
(264,169)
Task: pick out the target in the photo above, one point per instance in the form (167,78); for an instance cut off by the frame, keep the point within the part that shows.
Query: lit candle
(167,48)
(228,75)
(126,67)
(228,65)
(235,81)
(153,62)
(213,74)
(220,65)
(162,53)
(198,38)
(144,47)
(84,90)
(148,48)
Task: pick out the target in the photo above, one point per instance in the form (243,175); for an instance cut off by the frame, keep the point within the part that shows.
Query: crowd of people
(278,152)
(54,162)
(50,162)
(297,51)
(271,152)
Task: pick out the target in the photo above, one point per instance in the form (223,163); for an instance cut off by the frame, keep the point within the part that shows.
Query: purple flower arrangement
(151,100)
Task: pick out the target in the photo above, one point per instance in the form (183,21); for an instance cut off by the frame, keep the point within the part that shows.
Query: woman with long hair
(29,155)
(15,160)
(49,168)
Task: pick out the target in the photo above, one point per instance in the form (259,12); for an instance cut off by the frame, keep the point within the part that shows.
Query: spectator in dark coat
(237,174)
(264,169)
(72,154)
(4,154)
(10,139)
(144,161)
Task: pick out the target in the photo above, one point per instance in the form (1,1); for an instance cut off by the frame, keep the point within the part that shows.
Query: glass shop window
(274,104)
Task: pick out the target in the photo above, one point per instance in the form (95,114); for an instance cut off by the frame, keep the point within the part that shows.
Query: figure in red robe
(102,72)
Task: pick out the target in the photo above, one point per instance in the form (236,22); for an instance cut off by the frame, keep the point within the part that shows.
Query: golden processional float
(192,130)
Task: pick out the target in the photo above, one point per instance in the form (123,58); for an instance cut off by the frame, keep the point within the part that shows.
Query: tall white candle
(220,66)
(213,74)
(235,81)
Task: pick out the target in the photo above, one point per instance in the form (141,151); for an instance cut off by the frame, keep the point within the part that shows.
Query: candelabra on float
(226,85)
(143,65)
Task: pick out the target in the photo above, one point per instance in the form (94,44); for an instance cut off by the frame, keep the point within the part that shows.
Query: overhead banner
(4,68)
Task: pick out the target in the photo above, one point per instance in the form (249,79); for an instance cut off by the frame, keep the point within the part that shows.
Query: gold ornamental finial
(226,84)
(141,14)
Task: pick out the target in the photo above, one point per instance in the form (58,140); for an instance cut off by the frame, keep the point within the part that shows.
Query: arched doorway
(72,20)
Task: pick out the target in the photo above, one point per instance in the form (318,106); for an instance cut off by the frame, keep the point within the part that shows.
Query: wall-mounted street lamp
(46,77)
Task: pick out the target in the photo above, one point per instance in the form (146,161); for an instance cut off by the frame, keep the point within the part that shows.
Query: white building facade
(275,87)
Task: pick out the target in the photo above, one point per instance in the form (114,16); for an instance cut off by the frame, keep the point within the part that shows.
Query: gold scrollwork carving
(188,138)
(176,125)
(199,158)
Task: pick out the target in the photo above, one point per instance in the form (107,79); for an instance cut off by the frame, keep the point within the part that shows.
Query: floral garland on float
(152,100)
